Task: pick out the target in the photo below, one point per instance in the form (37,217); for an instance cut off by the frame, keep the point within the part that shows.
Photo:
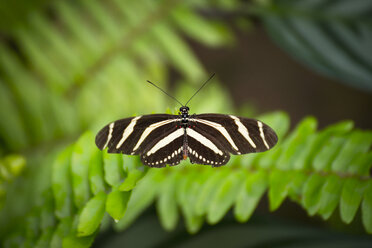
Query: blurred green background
(71,66)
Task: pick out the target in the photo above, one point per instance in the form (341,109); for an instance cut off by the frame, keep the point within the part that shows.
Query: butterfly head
(184,110)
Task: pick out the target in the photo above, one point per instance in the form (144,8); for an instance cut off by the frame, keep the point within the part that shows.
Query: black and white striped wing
(205,148)
(166,150)
(208,138)
(228,134)
(146,135)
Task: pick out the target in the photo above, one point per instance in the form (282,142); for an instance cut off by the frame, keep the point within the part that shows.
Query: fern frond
(11,167)
(292,169)
(87,57)
(91,58)
(86,183)
(92,47)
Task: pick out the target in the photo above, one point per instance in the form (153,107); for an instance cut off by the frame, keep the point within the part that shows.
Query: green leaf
(325,157)
(113,167)
(305,159)
(311,197)
(11,166)
(367,208)
(142,196)
(32,228)
(225,196)
(132,163)
(47,213)
(296,143)
(78,242)
(61,184)
(15,164)
(116,203)
(70,16)
(330,196)
(28,94)
(187,189)
(268,160)
(250,194)
(361,165)
(96,177)
(177,51)
(60,232)
(80,160)
(207,192)
(351,196)
(297,184)
(11,128)
(44,239)
(104,19)
(131,180)
(358,142)
(166,204)
(279,182)
(321,138)
(91,215)
(212,34)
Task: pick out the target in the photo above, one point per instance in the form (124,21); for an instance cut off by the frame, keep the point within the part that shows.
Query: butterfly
(164,139)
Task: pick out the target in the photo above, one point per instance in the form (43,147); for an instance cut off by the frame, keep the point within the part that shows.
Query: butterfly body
(209,139)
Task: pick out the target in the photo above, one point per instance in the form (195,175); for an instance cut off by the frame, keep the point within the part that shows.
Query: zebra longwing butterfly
(162,139)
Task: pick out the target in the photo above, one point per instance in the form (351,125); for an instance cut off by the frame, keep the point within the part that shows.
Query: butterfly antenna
(209,79)
(164,92)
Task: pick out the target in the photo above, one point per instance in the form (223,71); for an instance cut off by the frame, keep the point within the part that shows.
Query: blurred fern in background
(71,66)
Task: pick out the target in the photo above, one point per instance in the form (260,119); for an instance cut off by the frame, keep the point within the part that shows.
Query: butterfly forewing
(238,135)
(132,135)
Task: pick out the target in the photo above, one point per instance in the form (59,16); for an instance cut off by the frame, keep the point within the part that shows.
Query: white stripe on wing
(219,128)
(243,130)
(127,131)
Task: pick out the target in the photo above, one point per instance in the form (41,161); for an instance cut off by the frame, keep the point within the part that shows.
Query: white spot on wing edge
(111,128)
(243,130)
(260,126)
(127,131)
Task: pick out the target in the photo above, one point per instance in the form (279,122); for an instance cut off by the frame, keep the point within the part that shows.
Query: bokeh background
(71,66)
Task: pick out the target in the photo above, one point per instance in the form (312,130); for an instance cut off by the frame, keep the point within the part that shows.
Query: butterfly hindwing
(168,150)
(203,148)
